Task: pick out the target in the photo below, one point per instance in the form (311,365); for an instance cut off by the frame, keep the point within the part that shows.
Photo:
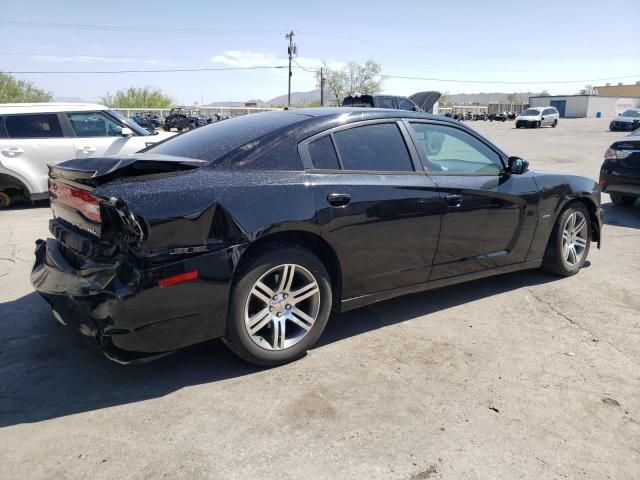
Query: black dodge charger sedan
(257,228)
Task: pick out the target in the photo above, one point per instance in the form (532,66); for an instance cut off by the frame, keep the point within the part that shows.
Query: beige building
(618,90)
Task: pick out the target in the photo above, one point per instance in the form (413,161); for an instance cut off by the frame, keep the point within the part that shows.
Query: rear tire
(622,200)
(191,126)
(569,243)
(279,305)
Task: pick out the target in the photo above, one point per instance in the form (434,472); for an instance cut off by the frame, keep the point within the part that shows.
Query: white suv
(33,135)
(538,117)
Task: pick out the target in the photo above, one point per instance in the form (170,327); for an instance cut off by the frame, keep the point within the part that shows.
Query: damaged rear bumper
(124,310)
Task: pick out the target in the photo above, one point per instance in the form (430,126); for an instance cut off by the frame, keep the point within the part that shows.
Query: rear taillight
(76,198)
(612,154)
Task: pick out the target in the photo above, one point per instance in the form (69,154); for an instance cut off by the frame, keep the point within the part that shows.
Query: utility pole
(292,50)
(321,87)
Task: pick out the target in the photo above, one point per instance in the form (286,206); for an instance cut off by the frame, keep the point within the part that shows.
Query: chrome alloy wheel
(282,307)
(574,238)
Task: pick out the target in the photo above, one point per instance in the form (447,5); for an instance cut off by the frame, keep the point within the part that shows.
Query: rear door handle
(87,149)
(454,201)
(339,199)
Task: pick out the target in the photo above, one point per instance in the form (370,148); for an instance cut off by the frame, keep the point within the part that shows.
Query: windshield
(530,112)
(130,123)
(632,113)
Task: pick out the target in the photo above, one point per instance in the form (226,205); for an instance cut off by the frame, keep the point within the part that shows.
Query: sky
(456,46)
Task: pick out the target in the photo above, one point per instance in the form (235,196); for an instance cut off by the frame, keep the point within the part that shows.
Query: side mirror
(542,118)
(126,132)
(518,165)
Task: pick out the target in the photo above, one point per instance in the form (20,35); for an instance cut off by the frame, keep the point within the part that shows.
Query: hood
(626,119)
(425,100)
(94,171)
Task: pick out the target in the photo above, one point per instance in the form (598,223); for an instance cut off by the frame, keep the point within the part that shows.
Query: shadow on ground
(621,216)
(47,371)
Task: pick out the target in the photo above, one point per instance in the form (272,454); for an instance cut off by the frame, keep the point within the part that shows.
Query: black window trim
(416,163)
(501,155)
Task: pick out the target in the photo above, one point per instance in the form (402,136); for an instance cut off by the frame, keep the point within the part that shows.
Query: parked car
(418,102)
(620,172)
(33,135)
(626,121)
(181,119)
(538,117)
(254,229)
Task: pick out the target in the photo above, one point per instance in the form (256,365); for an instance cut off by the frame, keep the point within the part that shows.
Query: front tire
(538,124)
(622,200)
(569,243)
(279,305)
(5,200)
(554,124)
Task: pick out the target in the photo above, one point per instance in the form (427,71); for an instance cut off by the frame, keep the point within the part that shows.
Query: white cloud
(250,58)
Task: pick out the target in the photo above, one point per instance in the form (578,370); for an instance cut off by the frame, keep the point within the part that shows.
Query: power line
(163,70)
(123,28)
(468,51)
(307,69)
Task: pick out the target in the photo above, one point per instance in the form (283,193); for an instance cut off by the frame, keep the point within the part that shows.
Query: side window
(38,125)
(450,150)
(404,104)
(323,155)
(547,111)
(94,124)
(378,147)
(385,102)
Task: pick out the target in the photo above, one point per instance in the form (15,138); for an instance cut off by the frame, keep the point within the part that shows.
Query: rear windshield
(360,101)
(531,111)
(217,139)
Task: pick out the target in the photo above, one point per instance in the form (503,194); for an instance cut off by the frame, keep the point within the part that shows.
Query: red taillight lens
(612,154)
(76,198)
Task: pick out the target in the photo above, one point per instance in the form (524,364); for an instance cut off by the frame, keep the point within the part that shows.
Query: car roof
(366,113)
(49,107)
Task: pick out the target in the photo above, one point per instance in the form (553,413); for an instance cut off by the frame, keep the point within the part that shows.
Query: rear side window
(39,125)
(323,155)
(385,102)
(377,147)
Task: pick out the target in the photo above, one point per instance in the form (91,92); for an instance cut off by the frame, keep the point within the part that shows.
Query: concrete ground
(518,376)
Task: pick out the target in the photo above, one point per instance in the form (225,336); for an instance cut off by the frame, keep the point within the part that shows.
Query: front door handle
(13,151)
(339,199)
(454,201)
(87,149)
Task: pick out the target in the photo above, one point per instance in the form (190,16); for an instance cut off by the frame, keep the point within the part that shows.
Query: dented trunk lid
(93,171)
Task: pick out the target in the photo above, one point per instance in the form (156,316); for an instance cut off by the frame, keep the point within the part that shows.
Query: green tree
(135,97)
(13,90)
(544,93)
(514,98)
(353,78)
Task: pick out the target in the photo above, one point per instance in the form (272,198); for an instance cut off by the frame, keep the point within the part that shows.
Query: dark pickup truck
(418,102)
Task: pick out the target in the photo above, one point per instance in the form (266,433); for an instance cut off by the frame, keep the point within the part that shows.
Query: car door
(97,134)
(33,140)
(380,213)
(547,116)
(490,214)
